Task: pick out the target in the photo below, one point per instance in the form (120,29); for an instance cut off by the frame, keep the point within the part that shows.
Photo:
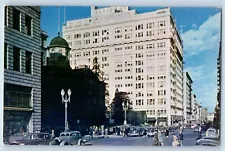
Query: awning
(18,109)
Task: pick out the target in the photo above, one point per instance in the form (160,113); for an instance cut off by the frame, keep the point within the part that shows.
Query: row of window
(160,112)
(17,59)
(17,23)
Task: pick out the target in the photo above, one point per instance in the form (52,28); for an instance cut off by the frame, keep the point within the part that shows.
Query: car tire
(53,143)
(80,142)
(63,143)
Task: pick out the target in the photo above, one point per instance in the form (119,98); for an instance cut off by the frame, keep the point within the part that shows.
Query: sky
(199,29)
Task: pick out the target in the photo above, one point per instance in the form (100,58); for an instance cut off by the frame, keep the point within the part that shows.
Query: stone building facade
(141,54)
(22,69)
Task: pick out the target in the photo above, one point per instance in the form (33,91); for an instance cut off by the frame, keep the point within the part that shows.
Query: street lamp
(66,99)
(125,107)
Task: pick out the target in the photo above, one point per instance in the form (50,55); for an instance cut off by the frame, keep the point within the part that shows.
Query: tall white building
(187,97)
(140,54)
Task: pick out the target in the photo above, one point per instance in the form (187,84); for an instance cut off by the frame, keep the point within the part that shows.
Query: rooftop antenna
(58,20)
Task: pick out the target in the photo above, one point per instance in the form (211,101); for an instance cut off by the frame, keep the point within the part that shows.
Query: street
(189,140)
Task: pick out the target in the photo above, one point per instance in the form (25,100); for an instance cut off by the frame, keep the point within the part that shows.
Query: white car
(150,133)
(134,133)
(211,132)
(208,141)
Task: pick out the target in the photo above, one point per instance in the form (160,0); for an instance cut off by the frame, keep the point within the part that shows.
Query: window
(28,62)
(139,85)
(140,102)
(28,25)
(150,33)
(5,55)
(16,19)
(161,44)
(95,33)
(138,27)
(150,25)
(76,36)
(161,23)
(17,96)
(6,15)
(128,36)
(16,59)
(139,34)
(87,41)
(104,59)
(139,47)
(86,34)
(139,62)
(150,101)
(150,46)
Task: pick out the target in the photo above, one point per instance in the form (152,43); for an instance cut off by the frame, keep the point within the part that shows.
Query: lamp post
(66,99)
(125,110)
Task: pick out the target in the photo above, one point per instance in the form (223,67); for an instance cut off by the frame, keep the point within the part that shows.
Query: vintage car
(34,139)
(208,141)
(211,132)
(69,138)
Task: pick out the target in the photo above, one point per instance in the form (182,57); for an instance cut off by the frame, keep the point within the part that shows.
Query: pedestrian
(156,140)
(160,138)
(53,134)
(175,141)
(181,137)
(199,133)
(167,133)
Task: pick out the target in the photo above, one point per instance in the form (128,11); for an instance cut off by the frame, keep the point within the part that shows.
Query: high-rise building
(141,54)
(187,98)
(22,73)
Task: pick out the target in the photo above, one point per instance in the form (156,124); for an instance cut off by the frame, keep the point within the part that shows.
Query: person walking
(167,133)
(160,138)
(53,134)
(156,140)
(181,137)
(199,132)
(175,141)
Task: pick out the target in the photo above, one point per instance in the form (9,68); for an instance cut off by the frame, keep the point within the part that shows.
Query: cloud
(205,37)
(196,73)
(207,96)
(194,26)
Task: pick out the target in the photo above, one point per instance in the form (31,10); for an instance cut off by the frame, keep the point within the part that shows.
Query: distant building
(210,117)
(141,54)
(22,69)
(187,97)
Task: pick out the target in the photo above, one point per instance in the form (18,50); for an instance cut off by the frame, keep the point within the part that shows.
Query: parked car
(150,133)
(69,138)
(134,133)
(208,141)
(34,139)
(211,132)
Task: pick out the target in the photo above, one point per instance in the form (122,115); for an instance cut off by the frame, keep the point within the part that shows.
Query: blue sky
(200,32)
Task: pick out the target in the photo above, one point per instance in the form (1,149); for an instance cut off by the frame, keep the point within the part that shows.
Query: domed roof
(59,42)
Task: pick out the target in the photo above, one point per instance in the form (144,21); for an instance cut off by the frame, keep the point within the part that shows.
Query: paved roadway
(189,140)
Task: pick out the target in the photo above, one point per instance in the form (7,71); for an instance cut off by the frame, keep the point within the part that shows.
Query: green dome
(59,42)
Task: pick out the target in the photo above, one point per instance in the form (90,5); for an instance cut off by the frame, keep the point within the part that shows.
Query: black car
(34,139)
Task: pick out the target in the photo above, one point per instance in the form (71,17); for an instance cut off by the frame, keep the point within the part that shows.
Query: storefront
(17,109)
(16,122)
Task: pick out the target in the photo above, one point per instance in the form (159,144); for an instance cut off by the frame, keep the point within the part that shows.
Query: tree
(132,117)
(142,117)
(117,106)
